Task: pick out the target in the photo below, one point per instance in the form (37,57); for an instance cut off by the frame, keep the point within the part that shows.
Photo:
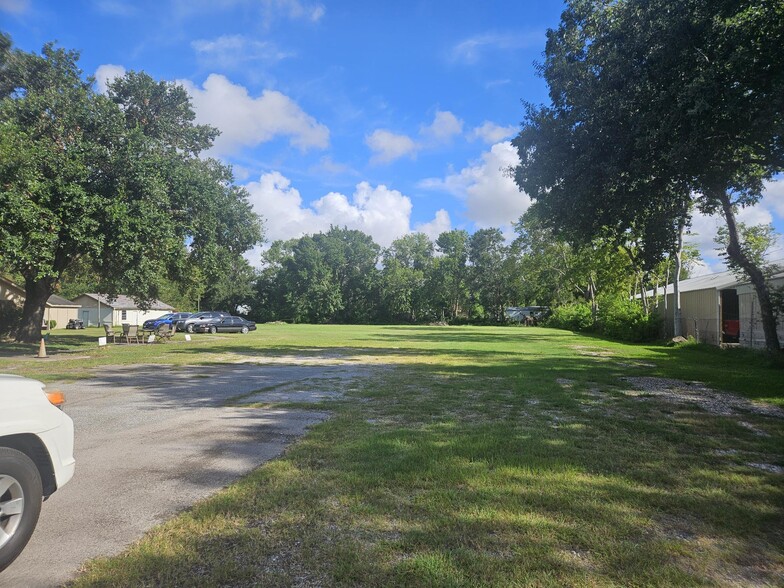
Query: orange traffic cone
(42,349)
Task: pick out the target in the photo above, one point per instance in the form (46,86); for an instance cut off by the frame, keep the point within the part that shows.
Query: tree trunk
(755,274)
(37,292)
(676,289)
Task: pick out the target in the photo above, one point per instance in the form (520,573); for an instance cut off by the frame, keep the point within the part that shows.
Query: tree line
(343,276)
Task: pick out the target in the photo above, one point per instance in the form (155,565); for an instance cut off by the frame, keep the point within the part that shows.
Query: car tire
(189,328)
(213,329)
(21,493)
(244,330)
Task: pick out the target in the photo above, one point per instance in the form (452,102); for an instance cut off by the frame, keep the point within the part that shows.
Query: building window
(124,315)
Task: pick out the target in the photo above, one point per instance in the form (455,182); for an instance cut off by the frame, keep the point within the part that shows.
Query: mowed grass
(478,457)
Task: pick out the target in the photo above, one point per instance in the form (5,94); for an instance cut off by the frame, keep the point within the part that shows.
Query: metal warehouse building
(719,309)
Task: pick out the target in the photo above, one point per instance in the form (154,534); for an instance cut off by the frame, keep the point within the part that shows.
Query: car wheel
(20,503)
(189,328)
(213,329)
(244,330)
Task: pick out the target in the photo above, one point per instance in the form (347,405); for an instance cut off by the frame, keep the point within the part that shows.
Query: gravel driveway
(152,440)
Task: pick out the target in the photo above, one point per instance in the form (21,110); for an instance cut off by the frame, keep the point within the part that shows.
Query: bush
(624,319)
(573,317)
(52,324)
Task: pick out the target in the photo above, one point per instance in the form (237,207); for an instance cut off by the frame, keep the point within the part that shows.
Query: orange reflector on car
(56,397)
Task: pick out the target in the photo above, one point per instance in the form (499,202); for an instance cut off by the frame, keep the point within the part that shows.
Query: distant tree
(326,277)
(407,263)
(448,283)
(116,180)
(352,257)
(656,106)
(555,272)
(271,300)
(311,287)
(490,283)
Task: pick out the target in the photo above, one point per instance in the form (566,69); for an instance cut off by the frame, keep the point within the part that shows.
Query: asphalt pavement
(151,441)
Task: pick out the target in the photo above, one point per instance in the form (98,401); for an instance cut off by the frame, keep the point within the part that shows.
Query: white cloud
(328,166)
(470,50)
(293,9)
(106,73)
(14,6)
(774,196)
(388,146)
(440,223)
(232,50)
(268,10)
(492,198)
(377,211)
(245,121)
(445,125)
(490,132)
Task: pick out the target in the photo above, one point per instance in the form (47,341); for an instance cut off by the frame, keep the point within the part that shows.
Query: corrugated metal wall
(699,315)
(751,334)
(701,312)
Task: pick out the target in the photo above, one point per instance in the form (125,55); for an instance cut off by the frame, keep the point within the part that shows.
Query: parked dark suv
(189,324)
(225,324)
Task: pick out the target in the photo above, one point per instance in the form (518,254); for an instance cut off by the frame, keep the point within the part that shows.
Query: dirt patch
(682,392)
(592,351)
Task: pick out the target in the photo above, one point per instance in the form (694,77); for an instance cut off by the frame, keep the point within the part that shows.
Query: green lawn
(478,457)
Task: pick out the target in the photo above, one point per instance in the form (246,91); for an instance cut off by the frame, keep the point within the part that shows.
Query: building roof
(719,281)
(123,302)
(55,300)
(9,284)
(52,301)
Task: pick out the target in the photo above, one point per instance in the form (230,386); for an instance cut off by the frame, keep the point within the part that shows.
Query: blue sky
(387,117)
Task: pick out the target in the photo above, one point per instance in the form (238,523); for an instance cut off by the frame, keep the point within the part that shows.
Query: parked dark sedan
(225,324)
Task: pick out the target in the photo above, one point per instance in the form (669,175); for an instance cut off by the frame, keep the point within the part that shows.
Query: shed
(60,310)
(99,309)
(718,309)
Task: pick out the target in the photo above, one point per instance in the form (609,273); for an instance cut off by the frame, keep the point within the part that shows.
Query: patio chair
(132,333)
(166,332)
(110,333)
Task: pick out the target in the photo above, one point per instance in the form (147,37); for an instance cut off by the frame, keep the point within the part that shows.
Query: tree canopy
(656,106)
(116,181)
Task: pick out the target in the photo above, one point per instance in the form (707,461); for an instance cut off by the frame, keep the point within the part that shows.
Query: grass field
(480,457)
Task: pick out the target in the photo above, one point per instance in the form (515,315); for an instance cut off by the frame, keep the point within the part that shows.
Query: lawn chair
(110,333)
(166,332)
(132,333)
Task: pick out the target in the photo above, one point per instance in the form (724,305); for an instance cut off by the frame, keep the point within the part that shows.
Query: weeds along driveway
(152,440)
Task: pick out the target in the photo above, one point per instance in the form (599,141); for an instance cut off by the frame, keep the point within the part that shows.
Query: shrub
(52,324)
(624,319)
(574,317)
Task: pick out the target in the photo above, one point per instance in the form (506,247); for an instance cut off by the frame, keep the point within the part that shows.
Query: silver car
(195,320)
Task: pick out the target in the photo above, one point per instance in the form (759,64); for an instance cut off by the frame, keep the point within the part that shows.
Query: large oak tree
(657,107)
(116,181)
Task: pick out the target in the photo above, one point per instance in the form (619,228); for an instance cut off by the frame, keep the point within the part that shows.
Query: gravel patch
(767,467)
(681,392)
